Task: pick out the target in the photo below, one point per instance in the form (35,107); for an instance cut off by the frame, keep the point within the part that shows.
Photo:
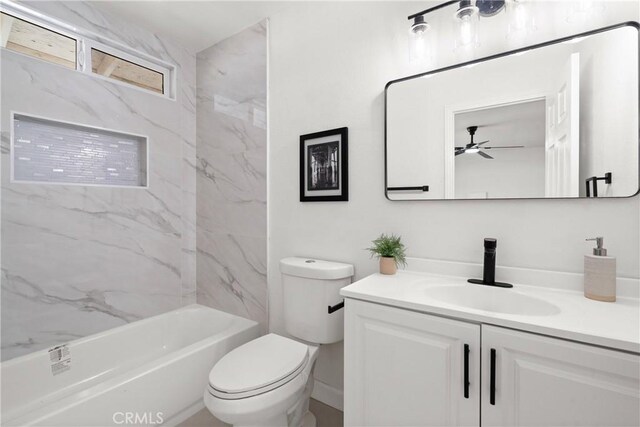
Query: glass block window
(49,151)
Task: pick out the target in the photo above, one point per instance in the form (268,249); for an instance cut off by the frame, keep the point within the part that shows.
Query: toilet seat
(240,374)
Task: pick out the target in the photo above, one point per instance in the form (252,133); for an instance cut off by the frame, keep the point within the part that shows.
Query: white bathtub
(149,372)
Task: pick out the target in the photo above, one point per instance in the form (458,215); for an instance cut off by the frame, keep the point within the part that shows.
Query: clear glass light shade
(418,43)
(520,18)
(466,27)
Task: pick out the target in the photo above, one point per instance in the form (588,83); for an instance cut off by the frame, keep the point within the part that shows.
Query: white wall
(329,63)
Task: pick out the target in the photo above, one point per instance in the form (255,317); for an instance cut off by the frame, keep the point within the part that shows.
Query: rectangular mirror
(556,120)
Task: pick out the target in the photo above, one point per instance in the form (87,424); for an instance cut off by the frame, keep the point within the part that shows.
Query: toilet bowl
(267,382)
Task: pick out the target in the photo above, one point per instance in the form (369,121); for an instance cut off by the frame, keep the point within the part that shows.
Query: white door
(542,381)
(562,146)
(404,368)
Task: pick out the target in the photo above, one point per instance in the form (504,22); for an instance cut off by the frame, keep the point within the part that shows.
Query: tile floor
(326,416)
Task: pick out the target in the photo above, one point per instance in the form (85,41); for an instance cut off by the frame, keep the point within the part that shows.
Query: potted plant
(390,250)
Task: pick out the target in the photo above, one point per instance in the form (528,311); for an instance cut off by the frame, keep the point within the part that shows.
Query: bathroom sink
(487,298)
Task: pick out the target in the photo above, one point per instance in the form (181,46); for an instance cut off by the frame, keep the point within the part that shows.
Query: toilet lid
(258,364)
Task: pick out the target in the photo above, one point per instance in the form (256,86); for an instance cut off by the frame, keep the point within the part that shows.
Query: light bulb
(472,150)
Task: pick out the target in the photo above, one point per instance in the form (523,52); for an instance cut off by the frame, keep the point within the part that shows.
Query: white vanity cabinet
(542,381)
(405,368)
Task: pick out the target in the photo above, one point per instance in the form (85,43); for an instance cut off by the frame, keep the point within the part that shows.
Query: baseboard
(328,395)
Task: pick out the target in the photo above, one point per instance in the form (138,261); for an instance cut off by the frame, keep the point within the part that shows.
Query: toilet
(268,381)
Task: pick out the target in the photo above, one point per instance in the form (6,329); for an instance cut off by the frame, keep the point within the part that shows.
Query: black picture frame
(331,184)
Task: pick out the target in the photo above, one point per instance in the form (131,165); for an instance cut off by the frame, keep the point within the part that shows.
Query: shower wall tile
(80,260)
(232,273)
(188,116)
(231,175)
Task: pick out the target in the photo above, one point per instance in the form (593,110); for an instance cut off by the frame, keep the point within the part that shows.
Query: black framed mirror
(553,120)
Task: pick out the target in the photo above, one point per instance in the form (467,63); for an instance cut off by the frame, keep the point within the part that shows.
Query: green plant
(389,246)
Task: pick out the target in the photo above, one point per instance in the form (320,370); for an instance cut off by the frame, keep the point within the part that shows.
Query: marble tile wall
(80,260)
(231,175)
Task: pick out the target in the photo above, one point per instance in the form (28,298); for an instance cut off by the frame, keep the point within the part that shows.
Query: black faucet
(489,269)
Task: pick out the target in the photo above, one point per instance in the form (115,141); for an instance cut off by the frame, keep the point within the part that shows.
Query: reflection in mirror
(500,151)
(555,121)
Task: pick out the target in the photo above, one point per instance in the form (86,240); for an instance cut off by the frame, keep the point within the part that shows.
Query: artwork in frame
(324,166)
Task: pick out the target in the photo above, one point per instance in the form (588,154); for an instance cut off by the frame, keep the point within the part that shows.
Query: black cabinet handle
(466,371)
(492,390)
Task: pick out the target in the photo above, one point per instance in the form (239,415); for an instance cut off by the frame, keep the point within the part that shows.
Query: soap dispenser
(600,274)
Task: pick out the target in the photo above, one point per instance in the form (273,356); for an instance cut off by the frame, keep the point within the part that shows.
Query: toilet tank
(309,287)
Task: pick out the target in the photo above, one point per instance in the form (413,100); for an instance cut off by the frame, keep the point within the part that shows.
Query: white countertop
(615,325)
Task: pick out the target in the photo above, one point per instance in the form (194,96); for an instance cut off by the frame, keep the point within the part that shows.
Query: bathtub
(148,372)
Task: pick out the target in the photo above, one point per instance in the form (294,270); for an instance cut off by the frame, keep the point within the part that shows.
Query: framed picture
(324,166)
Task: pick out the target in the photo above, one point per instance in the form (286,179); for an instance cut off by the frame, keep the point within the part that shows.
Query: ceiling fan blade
(485,155)
(506,146)
(459,152)
(483,142)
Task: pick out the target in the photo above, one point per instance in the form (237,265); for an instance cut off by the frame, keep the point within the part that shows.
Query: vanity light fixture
(465,21)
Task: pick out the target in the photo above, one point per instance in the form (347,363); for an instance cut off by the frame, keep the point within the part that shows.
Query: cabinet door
(542,381)
(404,368)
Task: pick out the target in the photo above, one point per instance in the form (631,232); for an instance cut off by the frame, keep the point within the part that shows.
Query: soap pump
(599,273)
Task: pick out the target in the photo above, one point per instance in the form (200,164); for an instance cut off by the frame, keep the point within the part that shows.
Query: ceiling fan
(473,147)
